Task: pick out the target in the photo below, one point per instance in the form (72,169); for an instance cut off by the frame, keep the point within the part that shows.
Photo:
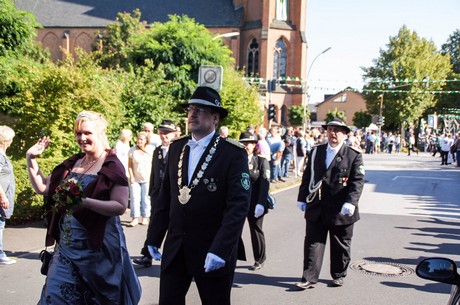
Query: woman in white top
(122,147)
(139,168)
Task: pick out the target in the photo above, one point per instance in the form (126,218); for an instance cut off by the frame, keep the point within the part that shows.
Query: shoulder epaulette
(234,142)
(355,149)
(179,138)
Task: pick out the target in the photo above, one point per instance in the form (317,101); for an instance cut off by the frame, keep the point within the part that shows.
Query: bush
(29,206)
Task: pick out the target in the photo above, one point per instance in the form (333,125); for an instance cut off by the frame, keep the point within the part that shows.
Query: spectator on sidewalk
(7,188)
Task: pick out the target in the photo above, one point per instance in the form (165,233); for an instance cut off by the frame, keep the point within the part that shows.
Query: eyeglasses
(146,130)
(196,110)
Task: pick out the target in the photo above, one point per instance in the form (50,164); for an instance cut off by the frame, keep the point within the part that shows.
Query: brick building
(271,43)
(347,101)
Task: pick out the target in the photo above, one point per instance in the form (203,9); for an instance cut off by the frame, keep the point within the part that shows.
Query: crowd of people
(195,193)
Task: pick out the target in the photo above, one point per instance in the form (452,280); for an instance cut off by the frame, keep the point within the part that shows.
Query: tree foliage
(17,30)
(362,119)
(240,99)
(51,99)
(407,57)
(331,114)
(450,101)
(181,46)
(117,43)
(296,115)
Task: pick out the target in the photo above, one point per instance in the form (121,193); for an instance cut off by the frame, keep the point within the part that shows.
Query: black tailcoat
(342,182)
(213,219)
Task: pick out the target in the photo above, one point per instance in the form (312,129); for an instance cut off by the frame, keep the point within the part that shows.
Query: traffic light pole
(380,114)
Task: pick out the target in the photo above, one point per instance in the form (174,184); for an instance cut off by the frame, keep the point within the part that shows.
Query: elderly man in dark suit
(202,206)
(329,193)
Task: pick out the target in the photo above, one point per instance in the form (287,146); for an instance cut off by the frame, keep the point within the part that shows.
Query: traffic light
(271,111)
(380,120)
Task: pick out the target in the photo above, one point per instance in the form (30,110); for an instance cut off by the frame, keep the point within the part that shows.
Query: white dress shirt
(331,152)
(195,153)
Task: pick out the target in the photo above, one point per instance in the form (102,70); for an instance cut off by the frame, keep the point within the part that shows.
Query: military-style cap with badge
(206,96)
(337,122)
(167,125)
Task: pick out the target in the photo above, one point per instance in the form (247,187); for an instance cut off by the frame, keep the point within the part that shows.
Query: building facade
(271,43)
(347,101)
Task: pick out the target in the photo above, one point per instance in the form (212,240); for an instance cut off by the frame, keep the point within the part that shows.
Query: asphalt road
(410,209)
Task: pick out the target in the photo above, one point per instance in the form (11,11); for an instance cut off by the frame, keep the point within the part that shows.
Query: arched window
(253,59)
(279,59)
(282,10)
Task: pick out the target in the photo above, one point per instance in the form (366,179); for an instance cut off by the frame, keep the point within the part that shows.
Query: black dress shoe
(337,282)
(305,285)
(256,266)
(143,261)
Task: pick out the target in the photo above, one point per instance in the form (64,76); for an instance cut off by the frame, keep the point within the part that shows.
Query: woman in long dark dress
(91,264)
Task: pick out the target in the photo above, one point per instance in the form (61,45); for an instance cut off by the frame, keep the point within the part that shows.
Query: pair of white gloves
(347,208)
(212,261)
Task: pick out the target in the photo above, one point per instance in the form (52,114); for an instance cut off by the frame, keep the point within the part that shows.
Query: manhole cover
(381,268)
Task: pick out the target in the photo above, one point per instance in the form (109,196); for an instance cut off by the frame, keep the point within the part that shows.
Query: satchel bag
(45,257)
(271,201)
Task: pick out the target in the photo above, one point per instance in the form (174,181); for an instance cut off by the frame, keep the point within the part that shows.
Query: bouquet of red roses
(68,195)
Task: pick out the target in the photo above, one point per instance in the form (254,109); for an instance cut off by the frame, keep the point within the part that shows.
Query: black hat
(167,125)
(248,137)
(337,122)
(209,97)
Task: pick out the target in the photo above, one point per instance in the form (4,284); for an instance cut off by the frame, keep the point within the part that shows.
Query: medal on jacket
(184,195)
(185,191)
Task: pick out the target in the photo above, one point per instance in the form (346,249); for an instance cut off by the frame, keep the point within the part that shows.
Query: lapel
(185,162)
(320,159)
(338,157)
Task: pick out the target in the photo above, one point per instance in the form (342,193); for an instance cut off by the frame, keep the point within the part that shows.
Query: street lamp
(226,35)
(307,99)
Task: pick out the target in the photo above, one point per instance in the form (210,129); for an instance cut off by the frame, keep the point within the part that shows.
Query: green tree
(296,115)
(448,102)
(240,99)
(50,101)
(118,42)
(17,30)
(181,46)
(331,114)
(362,119)
(398,74)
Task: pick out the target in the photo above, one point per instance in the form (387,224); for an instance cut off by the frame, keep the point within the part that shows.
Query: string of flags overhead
(283,82)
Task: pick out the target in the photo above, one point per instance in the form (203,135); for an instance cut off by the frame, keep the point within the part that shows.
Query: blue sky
(356,31)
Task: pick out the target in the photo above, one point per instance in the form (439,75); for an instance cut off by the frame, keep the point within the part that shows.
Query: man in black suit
(167,131)
(329,193)
(202,206)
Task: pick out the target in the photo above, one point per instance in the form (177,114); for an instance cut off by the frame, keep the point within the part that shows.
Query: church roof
(99,13)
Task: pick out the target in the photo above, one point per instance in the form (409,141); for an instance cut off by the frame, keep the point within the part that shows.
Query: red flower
(74,190)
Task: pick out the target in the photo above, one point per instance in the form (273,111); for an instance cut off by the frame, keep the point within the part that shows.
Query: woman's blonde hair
(6,134)
(101,125)
(125,134)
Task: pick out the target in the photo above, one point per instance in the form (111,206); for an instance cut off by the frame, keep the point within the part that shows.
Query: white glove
(259,211)
(154,253)
(348,209)
(213,262)
(302,206)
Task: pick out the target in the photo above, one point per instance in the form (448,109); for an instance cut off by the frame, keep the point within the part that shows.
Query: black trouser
(314,246)
(176,280)
(444,156)
(257,238)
